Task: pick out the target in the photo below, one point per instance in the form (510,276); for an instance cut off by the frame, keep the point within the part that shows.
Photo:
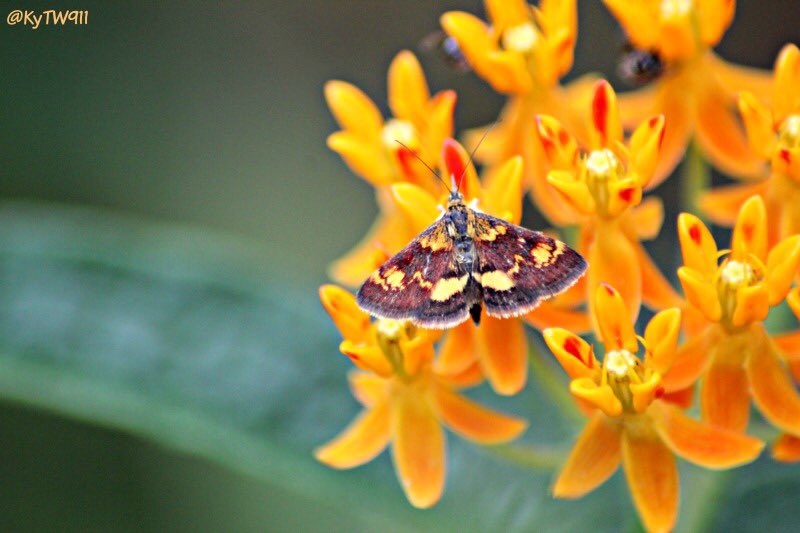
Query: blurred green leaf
(203,343)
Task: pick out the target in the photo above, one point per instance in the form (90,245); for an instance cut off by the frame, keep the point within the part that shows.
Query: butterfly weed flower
(697,91)
(405,401)
(604,188)
(774,134)
(522,52)
(734,290)
(629,420)
(369,145)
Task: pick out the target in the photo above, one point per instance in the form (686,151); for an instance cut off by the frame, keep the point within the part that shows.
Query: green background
(209,116)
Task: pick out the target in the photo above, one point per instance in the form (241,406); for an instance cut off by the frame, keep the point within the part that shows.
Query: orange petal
(647,218)
(408,90)
(645,145)
(593,459)
(458,351)
(573,191)
(758,124)
(789,345)
(752,305)
(623,194)
(714,17)
(350,320)
(607,128)
(504,194)
(600,396)
(750,232)
(702,443)
(418,450)
(474,421)
(678,40)
(457,166)
(637,106)
(657,292)
(697,245)
(367,388)
(560,148)
(772,388)
(509,72)
(793,299)
(719,133)
(782,265)
(700,293)
(690,361)
(417,353)
(682,398)
(787,78)
(722,204)
(636,18)
(661,339)
(360,442)
(652,478)
(786,449)
(363,157)
(470,377)
(575,354)
(439,121)
(643,394)
(475,42)
(548,315)
(738,78)
(353,110)
(504,354)
(614,263)
(418,206)
(367,357)
(614,320)
(724,398)
(678,126)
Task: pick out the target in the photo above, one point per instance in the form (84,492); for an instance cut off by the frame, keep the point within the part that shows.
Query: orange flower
(369,146)
(628,422)
(405,401)
(499,345)
(697,92)
(734,352)
(523,53)
(775,136)
(604,188)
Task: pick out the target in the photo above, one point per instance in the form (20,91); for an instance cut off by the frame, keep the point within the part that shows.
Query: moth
(639,67)
(466,260)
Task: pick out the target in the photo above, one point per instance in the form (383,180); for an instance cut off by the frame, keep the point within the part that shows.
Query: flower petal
(793,299)
(752,305)
(600,396)
(458,351)
(560,148)
(470,377)
(574,354)
(408,90)
(758,124)
(368,388)
(607,128)
(750,232)
(503,194)
(594,458)
(647,218)
(416,204)
(697,245)
(719,133)
(614,320)
(724,397)
(772,388)
(475,42)
(701,443)
(652,478)
(661,339)
(360,442)
(548,315)
(657,292)
(575,192)
(350,320)
(473,421)
(786,449)
(782,265)
(738,78)
(353,110)
(504,354)
(367,357)
(418,450)
(678,127)
(714,17)
(636,18)
(700,293)
(363,157)
(690,361)
(787,78)
(645,145)
(789,345)
(721,205)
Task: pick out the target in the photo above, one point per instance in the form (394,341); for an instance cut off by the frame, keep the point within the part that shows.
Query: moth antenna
(472,155)
(418,158)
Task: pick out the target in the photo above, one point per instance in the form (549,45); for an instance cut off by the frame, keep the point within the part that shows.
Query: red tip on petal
(747,231)
(600,107)
(696,234)
(609,289)
(405,156)
(786,156)
(453,162)
(659,392)
(627,194)
(653,123)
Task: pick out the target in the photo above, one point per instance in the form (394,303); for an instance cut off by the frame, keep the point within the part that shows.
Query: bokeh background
(211,114)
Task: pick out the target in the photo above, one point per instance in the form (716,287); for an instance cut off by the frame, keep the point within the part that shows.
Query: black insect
(638,67)
(447,48)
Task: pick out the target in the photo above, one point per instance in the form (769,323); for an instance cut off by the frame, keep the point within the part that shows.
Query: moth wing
(519,268)
(422,283)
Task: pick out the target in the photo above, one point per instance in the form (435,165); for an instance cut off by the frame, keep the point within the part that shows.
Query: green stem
(554,385)
(696,178)
(529,456)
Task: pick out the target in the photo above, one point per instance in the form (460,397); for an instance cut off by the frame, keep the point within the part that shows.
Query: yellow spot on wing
(445,288)
(497,280)
(425,284)
(437,240)
(394,278)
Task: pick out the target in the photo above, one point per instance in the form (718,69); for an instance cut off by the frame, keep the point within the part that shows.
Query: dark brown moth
(465,260)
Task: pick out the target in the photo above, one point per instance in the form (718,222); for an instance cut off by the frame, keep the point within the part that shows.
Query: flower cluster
(588,158)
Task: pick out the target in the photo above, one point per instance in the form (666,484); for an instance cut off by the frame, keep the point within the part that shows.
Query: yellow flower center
(619,362)
(622,370)
(732,276)
(789,133)
(675,8)
(521,38)
(399,130)
(390,333)
(602,166)
(390,329)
